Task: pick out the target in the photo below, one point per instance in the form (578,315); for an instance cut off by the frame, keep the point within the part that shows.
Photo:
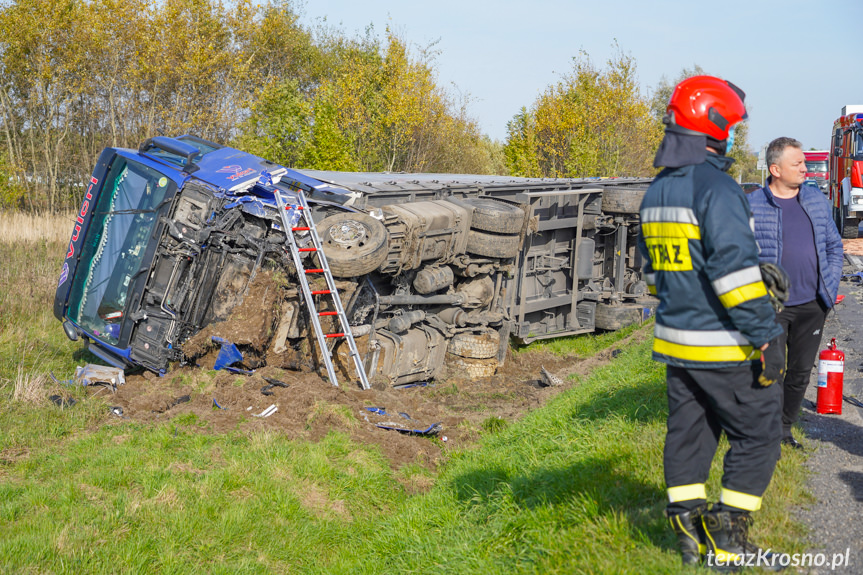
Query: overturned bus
(432,269)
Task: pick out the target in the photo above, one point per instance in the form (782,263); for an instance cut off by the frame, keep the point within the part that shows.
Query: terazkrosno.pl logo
(764,558)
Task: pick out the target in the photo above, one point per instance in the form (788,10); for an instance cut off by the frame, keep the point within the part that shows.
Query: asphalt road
(835,443)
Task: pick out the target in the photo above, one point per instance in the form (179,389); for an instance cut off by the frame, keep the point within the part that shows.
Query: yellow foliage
(592,123)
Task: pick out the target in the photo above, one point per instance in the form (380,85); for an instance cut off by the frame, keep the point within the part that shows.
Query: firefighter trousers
(702,403)
(802,326)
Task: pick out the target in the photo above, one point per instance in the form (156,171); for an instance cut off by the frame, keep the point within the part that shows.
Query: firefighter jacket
(702,263)
(828,242)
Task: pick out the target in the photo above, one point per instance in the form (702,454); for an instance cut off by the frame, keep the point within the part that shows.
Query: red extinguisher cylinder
(831,365)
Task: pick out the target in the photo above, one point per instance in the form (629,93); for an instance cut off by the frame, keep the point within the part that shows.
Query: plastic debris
(267,412)
(216,403)
(228,354)
(182,399)
(240,371)
(852,400)
(117,410)
(549,379)
(414,384)
(93,374)
(856,277)
(271,383)
(397,425)
(62,403)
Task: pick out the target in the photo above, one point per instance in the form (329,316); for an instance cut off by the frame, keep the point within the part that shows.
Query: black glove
(772,364)
(777,283)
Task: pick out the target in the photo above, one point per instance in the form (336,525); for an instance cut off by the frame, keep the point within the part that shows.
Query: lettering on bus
(85,207)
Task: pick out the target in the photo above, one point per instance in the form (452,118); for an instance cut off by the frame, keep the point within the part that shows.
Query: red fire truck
(816,168)
(845,185)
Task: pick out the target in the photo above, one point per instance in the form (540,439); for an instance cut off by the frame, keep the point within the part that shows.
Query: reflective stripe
(740,500)
(669,214)
(737,279)
(705,353)
(700,337)
(740,286)
(651,289)
(670,230)
(686,492)
(743,294)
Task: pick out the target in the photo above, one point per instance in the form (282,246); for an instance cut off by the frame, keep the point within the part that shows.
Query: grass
(573,487)
(579,345)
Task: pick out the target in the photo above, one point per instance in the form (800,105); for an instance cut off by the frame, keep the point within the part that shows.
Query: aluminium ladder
(291,215)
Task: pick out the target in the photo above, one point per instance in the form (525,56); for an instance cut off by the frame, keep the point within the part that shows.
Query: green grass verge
(574,487)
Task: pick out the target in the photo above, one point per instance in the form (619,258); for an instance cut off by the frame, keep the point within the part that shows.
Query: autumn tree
(594,122)
(79,75)
(378,109)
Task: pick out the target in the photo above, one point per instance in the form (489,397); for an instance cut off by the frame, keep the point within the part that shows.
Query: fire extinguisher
(831,363)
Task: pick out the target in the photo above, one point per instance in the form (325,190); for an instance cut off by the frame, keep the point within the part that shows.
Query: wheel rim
(347,234)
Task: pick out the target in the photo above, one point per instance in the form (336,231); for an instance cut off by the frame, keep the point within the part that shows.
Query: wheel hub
(347,234)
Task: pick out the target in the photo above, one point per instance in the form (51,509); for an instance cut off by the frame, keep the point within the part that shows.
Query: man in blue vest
(794,228)
(714,327)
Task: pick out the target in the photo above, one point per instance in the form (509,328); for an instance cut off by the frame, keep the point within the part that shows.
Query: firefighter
(714,326)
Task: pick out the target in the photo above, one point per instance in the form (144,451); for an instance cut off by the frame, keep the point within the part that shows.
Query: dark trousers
(802,326)
(704,402)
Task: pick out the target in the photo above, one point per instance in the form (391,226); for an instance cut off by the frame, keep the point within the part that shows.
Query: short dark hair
(777,146)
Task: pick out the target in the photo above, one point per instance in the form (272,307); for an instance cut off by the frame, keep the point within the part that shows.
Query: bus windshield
(115,244)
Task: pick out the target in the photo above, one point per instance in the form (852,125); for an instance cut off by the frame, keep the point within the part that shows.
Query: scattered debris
(853,400)
(267,412)
(216,403)
(432,429)
(548,378)
(414,384)
(855,278)
(271,383)
(62,403)
(228,354)
(117,410)
(616,352)
(93,374)
(177,401)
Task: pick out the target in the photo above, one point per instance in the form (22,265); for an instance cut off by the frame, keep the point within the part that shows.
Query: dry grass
(22,227)
(29,388)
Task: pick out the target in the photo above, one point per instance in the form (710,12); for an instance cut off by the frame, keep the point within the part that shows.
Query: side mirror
(836,151)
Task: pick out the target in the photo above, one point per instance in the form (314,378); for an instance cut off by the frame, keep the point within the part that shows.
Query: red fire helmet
(706,105)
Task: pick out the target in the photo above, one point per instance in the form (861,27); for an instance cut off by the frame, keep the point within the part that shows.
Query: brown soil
(308,407)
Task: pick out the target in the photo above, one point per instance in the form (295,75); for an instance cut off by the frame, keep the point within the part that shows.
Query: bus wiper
(136,211)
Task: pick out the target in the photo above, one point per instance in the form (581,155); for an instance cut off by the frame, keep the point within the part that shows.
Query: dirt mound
(307,407)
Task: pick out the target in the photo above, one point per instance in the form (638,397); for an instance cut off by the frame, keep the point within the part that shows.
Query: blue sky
(789,56)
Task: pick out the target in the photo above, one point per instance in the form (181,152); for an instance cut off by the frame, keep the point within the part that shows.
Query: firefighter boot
(728,545)
(690,534)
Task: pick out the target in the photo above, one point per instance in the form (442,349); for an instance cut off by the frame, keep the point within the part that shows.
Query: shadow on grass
(645,404)
(593,489)
(598,486)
